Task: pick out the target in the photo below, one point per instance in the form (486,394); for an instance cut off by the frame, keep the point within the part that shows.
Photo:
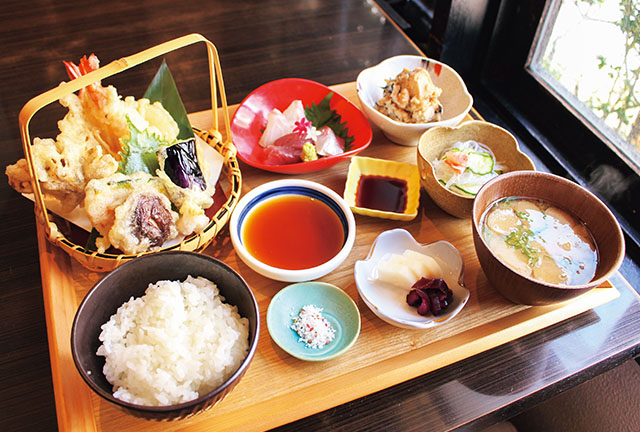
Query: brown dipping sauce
(293,232)
(382,193)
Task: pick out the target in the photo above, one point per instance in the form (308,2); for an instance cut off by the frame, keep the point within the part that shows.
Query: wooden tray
(278,388)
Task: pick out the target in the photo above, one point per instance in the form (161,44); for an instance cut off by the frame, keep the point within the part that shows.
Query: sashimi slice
(328,144)
(294,112)
(285,150)
(277,126)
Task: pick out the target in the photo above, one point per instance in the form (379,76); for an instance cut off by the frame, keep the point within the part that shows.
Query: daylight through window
(588,54)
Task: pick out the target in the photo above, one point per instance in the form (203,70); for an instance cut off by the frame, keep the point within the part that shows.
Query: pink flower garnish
(302,126)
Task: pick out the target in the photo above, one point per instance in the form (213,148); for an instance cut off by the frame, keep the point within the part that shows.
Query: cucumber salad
(466,166)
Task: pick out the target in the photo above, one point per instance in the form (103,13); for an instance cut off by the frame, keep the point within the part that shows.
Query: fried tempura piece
(190,203)
(194,193)
(143,222)
(131,212)
(89,140)
(19,178)
(104,195)
(104,113)
(63,167)
(108,121)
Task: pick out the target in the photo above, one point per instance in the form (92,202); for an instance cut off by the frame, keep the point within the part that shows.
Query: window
(502,50)
(588,54)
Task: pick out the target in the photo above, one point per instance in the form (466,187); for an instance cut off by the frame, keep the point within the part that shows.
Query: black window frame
(488,42)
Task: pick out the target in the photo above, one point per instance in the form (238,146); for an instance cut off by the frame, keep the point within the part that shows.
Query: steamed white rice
(173,344)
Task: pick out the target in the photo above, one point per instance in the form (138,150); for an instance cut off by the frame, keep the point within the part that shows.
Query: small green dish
(338,308)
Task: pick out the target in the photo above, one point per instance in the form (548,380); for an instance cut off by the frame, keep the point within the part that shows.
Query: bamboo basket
(104,261)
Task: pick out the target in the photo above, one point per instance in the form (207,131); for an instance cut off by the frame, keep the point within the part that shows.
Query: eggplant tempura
(134,212)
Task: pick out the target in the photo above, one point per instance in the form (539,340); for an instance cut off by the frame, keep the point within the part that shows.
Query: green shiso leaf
(139,151)
(321,115)
(163,89)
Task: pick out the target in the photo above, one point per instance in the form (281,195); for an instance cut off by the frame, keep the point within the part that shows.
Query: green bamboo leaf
(91,241)
(163,89)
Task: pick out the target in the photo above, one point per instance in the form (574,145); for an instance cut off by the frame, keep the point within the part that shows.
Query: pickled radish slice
(398,271)
(404,270)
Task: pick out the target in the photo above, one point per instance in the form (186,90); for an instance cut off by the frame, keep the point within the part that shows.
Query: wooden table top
(329,42)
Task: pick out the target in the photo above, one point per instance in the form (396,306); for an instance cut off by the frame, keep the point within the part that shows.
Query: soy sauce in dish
(382,193)
(293,232)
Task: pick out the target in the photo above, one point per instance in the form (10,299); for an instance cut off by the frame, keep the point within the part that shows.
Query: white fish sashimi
(280,124)
(277,126)
(328,144)
(294,112)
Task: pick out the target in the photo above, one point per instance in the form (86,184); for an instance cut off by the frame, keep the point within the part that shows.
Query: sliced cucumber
(480,163)
(469,188)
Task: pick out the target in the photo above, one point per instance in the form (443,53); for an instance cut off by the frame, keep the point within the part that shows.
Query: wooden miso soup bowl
(567,196)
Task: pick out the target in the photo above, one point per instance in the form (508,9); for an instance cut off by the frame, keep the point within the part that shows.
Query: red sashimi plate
(250,119)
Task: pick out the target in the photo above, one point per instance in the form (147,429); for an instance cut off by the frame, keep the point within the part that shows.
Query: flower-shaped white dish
(389,303)
(455,98)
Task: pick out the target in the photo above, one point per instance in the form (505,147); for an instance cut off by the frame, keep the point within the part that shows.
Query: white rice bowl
(177,342)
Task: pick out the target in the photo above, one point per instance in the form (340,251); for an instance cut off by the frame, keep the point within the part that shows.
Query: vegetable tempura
(121,160)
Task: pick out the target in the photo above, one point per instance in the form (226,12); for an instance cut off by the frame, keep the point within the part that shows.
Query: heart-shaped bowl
(250,119)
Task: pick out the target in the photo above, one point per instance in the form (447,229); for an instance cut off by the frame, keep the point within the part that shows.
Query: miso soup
(540,241)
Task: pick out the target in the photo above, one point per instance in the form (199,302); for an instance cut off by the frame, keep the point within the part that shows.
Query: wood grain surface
(277,388)
(328,41)
(259,41)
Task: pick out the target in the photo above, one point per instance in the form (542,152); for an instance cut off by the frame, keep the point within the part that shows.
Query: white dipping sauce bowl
(296,187)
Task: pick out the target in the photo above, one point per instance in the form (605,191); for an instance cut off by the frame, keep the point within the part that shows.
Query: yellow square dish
(383,169)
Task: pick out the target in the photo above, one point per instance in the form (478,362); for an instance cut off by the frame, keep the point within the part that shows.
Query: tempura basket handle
(226,148)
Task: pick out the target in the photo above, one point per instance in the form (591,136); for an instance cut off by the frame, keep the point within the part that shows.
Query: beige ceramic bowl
(566,195)
(433,142)
(455,98)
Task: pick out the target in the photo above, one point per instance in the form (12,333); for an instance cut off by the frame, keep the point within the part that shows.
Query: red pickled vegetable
(413,299)
(430,295)
(423,309)
(436,307)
